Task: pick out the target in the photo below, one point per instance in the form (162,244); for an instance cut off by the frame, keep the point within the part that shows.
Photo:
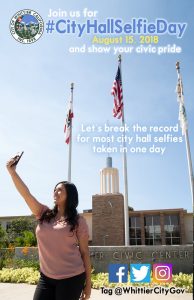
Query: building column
(142,229)
(162,229)
(182,227)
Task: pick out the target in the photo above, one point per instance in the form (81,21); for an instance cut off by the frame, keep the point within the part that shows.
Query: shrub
(26,275)
(6,254)
(17,263)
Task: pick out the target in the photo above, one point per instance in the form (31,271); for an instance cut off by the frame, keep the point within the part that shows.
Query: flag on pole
(117,92)
(183,118)
(182,111)
(68,122)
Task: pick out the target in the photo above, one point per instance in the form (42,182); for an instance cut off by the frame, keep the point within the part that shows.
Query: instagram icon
(162,272)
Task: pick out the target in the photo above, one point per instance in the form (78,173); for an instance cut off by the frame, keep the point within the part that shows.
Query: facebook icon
(118,273)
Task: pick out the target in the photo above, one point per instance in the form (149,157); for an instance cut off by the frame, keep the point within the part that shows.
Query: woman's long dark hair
(70,209)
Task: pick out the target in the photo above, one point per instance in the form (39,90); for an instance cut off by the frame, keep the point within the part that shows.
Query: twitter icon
(140,273)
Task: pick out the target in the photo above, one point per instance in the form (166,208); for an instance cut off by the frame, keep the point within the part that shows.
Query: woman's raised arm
(21,187)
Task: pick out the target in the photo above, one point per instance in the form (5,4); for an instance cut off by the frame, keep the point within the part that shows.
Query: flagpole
(189,160)
(70,139)
(126,210)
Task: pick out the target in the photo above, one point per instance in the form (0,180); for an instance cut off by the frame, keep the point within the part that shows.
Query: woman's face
(60,194)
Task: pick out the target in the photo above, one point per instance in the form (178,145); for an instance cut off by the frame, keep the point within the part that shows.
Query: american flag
(68,122)
(117,92)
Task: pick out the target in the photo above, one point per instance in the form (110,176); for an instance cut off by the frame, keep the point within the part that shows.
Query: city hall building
(148,227)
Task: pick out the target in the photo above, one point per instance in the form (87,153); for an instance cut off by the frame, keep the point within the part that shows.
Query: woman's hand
(10,167)
(86,293)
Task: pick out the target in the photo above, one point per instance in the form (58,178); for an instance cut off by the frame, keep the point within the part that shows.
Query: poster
(47,47)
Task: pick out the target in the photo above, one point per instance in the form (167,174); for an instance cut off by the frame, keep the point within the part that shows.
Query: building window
(172,229)
(152,230)
(135,231)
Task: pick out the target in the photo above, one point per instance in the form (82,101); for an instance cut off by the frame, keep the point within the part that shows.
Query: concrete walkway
(22,291)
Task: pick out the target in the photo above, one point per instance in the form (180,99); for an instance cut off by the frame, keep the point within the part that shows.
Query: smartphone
(17,160)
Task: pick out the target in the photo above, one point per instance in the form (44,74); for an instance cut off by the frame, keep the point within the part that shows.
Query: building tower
(108,209)
(109,178)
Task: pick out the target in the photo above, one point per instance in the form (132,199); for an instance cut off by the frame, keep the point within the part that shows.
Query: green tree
(27,239)
(18,227)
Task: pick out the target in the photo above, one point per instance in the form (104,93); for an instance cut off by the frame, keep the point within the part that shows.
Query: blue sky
(35,87)
(29,18)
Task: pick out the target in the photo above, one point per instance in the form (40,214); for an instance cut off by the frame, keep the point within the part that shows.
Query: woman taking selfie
(62,237)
